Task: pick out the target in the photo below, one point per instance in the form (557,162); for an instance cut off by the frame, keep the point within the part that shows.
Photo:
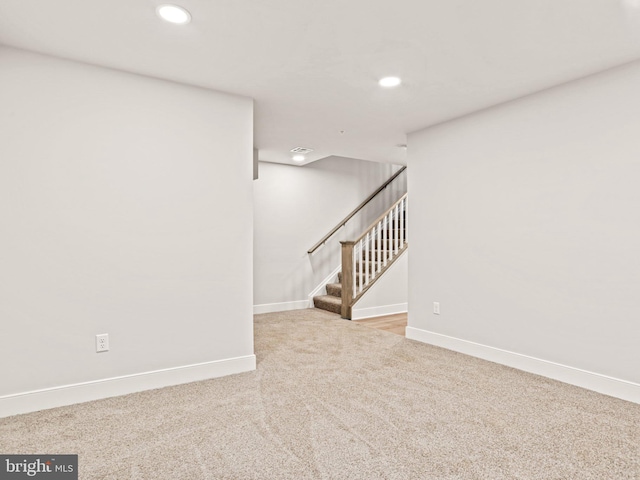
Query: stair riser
(334,290)
(320,303)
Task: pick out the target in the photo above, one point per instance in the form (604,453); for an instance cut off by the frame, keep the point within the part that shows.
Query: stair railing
(365,259)
(344,221)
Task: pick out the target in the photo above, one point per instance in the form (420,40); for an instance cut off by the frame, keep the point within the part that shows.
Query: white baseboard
(111,387)
(280,307)
(359,314)
(614,387)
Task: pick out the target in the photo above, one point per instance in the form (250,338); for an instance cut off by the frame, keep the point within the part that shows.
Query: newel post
(347,279)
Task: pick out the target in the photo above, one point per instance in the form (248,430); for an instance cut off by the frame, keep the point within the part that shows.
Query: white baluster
(402,224)
(396,229)
(366,259)
(360,262)
(379,247)
(385,240)
(392,240)
(389,245)
(353,272)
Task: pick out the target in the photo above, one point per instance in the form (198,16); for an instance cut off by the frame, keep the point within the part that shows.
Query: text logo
(45,467)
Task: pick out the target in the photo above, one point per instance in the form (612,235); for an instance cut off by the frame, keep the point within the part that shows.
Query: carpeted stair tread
(334,289)
(328,303)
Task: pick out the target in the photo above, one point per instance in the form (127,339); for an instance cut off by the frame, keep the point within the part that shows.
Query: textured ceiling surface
(312,67)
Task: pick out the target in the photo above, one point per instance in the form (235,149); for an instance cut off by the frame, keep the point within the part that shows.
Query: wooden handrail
(375,222)
(355,211)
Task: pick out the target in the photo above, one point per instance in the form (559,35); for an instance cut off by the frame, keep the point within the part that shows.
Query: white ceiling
(312,66)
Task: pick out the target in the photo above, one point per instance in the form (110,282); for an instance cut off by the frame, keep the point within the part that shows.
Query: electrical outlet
(436,308)
(102,342)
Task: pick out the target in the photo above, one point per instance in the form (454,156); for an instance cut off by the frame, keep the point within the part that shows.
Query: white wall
(388,295)
(525,226)
(295,206)
(126,208)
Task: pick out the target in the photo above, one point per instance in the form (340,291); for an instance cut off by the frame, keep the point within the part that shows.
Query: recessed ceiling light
(173,14)
(390,82)
(298,158)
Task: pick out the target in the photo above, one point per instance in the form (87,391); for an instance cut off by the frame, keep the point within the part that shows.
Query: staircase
(365,260)
(332,301)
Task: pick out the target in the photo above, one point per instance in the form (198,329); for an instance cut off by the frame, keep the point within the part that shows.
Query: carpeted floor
(335,400)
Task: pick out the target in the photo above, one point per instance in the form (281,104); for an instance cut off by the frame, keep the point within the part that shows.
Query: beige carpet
(335,400)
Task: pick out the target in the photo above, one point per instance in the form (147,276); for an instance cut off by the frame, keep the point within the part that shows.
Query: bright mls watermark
(50,467)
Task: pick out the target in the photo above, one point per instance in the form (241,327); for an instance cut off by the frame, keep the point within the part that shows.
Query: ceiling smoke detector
(301,150)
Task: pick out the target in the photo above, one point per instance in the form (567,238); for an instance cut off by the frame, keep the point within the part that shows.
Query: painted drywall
(295,206)
(390,293)
(126,207)
(525,226)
